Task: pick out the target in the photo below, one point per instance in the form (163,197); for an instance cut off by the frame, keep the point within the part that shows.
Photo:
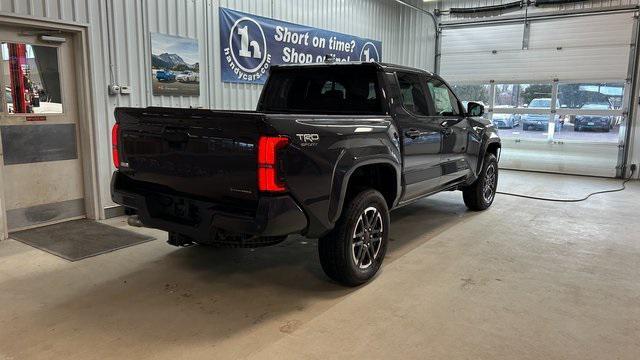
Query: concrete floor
(523,280)
(594,159)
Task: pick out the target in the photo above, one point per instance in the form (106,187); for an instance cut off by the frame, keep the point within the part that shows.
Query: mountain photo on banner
(175,65)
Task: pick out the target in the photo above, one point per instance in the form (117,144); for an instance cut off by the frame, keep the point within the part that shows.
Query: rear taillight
(268,147)
(115,131)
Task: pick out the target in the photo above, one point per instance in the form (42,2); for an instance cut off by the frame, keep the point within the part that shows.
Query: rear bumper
(273,216)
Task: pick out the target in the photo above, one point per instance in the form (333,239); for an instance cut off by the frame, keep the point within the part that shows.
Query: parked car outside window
(594,122)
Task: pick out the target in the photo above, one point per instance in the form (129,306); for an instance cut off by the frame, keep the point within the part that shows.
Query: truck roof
(381,66)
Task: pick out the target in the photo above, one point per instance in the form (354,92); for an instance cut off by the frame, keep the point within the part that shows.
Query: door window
(31,78)
(444,101)
(414,98)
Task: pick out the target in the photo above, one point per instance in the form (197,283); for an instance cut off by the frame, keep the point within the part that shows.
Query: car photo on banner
(250,44)
(175,65)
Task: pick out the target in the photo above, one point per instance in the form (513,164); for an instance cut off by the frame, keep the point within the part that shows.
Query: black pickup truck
(330,150)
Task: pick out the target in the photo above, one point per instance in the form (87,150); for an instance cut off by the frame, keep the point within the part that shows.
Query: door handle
(412,133)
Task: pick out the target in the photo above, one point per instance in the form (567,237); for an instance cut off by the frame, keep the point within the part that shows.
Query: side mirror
(475,109)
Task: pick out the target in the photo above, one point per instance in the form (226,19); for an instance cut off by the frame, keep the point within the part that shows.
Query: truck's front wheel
(353,251)
(479,195)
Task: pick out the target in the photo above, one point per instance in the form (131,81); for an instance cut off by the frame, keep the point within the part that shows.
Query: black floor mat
(79,239)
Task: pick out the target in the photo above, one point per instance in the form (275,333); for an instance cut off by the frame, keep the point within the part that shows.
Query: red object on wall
(17,63)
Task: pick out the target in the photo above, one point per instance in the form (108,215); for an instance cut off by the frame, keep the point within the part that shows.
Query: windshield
(334,89)
(596,106)
(540,103)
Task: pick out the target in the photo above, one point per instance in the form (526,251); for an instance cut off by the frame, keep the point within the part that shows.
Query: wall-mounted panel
(26,144)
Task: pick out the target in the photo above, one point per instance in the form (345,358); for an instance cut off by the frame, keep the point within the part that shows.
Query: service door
(42,180)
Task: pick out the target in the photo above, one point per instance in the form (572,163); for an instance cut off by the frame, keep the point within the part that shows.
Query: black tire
(341,259)
(525,127)
(577,128)
(476,196)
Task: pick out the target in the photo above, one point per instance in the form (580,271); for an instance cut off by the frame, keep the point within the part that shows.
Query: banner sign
(250,44)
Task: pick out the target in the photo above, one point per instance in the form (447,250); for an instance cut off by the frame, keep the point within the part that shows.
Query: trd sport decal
(308,139)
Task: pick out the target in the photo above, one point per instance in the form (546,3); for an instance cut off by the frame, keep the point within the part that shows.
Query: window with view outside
(444,101)
(31,78)
(601,126)
(479,93)
(522,96)
(575,96)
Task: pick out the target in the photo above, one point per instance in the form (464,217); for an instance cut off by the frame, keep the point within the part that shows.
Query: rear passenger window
(414,98)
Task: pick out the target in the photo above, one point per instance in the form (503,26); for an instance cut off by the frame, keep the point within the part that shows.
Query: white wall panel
(587,31)
(485,39)
(63,10)
(582,48)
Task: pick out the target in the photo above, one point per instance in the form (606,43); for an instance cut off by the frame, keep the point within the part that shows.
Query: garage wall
(120,46)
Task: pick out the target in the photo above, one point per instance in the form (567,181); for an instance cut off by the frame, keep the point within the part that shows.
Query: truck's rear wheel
(353,251)
(479,195)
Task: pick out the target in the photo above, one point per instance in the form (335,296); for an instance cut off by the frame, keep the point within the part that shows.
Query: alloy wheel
(367,238)
(488,191)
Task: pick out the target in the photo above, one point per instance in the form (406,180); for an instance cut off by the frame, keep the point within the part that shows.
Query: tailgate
(204,153)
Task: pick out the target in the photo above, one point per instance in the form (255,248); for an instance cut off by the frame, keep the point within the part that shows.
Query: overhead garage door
(558,90)
(589,47)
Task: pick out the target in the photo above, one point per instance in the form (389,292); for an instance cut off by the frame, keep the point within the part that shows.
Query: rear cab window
(332,89)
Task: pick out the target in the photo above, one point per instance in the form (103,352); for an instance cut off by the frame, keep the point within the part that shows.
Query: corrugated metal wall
(120,45)
(407,36)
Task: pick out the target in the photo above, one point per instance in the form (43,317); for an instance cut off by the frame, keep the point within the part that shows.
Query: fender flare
(488,143)
(340,180)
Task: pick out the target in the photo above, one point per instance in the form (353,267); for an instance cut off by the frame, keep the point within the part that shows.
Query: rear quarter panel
(324,151)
